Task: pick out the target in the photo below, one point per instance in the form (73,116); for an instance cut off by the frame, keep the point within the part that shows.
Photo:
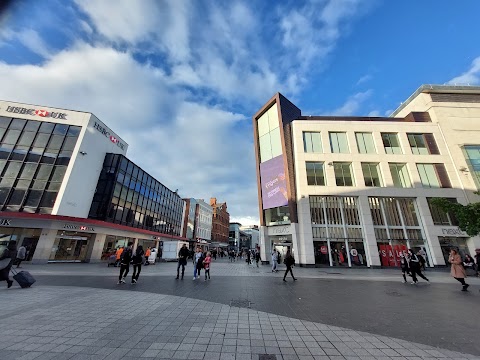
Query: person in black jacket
(137,263)
(414,264)
(183,255)
(125,260)
(289,261)
(9,253)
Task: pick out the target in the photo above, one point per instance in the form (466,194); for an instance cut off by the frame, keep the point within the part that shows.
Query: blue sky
(180,80)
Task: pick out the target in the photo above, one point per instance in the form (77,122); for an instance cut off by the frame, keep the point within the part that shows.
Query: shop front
(340,252)
(70,246)
(26,237)
(448,243)
(281,244)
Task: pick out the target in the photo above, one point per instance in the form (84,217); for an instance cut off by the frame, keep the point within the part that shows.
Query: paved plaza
(77,311)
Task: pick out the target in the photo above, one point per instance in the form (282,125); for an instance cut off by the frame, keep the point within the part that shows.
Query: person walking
(248,258)
(206,265)
(422,256)
(125,260)
(404,266)
(414,264)
(148,252)
(182,259)
(289,261)
(197,263)
(274,261)
(137,263)
(118,255)
(7,259)
(477,257)
(21,255)
(257,256)
(457,270)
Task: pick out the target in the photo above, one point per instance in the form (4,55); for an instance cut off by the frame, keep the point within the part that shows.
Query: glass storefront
(112,243)
(448,243)
(26,237)
(340,252)
(70,246)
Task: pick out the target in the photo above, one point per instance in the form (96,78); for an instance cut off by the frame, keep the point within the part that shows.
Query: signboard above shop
(280,230)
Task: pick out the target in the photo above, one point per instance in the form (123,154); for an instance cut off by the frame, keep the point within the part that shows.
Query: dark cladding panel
(465,98)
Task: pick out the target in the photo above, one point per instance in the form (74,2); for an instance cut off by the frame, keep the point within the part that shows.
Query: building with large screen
(356,191)
(68,192)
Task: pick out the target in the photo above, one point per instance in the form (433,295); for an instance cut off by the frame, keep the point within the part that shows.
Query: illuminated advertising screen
(274,184)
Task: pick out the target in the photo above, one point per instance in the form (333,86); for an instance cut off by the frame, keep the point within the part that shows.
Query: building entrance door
(70,249)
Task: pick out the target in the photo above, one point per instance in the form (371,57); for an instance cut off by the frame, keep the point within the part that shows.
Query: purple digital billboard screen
(274,184)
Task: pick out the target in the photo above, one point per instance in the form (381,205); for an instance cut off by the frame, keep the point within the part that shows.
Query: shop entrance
(70,248)
(340,252)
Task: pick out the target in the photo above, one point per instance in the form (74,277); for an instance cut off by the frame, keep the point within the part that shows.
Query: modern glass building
(357,191)
(69,193)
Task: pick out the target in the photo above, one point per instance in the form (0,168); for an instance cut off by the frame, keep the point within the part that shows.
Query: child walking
(206,264)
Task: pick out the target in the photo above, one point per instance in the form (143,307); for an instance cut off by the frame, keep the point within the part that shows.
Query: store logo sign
(279,230)
(35,112)
(5,222)
(455,232)
(78,227)
(107,134)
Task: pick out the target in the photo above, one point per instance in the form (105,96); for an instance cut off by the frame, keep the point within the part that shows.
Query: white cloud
(352,105)
(374,113)
(470,77)
(364,79)
(31,40)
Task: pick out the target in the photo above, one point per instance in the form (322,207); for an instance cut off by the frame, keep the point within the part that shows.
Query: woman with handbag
(457,270)
(6,262)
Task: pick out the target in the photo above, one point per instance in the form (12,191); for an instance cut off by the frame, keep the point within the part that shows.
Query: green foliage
(468,215)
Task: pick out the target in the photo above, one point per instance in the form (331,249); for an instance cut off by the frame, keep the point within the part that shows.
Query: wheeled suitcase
(23,278)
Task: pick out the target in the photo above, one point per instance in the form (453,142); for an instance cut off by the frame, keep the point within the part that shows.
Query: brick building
(220,221)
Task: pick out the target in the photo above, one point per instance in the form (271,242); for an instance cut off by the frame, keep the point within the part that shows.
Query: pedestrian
(7,259)
(147,255)
(289,261)
(257,256)
(414,264)
(118,255)
(125,260)
(137,263)
(206,265)
(248,258)
(182,259)
(198,262)
(21,255)
(422,259)
(404,266)
(274,261)
(457,270)
(469,263)
(477,256)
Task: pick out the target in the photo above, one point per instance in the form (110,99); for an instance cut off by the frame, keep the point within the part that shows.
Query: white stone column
(97,249)
(305,254)
(44,246)
(371,248)
(426,221)
(265,245)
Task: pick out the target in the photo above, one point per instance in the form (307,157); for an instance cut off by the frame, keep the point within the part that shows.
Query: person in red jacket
(206,264)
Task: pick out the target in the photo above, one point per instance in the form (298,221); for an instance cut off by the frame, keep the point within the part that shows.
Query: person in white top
(274,261)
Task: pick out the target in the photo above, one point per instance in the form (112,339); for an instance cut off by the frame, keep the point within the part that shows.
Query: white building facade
(60,198)
(355,192)
(203,221)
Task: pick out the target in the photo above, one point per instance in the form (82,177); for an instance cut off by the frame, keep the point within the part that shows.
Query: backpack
(126,256)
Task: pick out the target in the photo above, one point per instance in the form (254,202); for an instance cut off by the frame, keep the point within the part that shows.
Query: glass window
(28,171)
(338,142)
(343,174)
(48,199)
(16,197)
(41,140)
(58,173)
(2,132)
(365,143)
(371,174)
(13,168)
(49,156)
(2,165)
(39,184)
(441,217)
(400,175)
(4,122)
(33,198)
(17,124)
(11,136)
(391,143)
(433,175)
(35,154)
(27,138)
(60,129)
(55,142)
(74,131)
(32,125)
(44,172)
(279,215)
(46,127)
(472,155)
(265,148)
(19,153)
(276,142)
(5,150)
(417,144)
(23,184)
(64,157)
(315,173)
(263,126)
(54,186)
(312,142)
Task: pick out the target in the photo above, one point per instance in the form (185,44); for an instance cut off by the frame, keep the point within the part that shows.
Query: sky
(180,80)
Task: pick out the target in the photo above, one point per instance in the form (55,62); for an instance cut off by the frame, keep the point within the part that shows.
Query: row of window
(431,175)
(420,144)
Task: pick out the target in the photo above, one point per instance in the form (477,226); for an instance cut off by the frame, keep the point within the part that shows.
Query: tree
(468,215)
